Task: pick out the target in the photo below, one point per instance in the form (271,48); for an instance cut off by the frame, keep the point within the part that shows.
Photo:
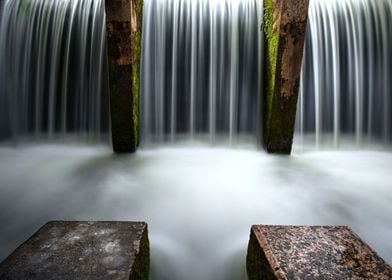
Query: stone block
(312,252)
(81,250)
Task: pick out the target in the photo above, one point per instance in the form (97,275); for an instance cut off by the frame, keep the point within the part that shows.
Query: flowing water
(199,201)
(201,69)
(200,75)
(53,69)
(346,82)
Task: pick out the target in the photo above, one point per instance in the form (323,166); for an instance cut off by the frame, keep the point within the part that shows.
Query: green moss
(136,53)
(141,267)
(271,38)
(282,124)
(280,96)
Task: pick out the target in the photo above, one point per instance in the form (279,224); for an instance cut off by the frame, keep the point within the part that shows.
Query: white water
(201,69)
(53,69)
(199,201)
(346,78)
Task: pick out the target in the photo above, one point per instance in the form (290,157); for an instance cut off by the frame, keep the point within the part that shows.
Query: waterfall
(201,69)
(346,82)
(53,69)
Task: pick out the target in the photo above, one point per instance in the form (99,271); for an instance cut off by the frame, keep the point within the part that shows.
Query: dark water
(53,69)
(201,69)
(346,83)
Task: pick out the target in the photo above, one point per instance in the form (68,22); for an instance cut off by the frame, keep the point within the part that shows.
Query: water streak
(53,69)
(201,68)
(347,69)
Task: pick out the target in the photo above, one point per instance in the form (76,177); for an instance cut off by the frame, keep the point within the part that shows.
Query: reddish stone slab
(312,252)
(81,250)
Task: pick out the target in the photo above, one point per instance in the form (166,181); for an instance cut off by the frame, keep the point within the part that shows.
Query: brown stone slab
(312,252)
(81,250)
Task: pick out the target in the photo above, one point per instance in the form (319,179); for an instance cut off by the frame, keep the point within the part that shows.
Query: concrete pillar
(124,22)
(284,26)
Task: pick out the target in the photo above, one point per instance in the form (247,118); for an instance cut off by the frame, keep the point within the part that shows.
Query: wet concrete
(312,252)
(123,21)
(284,28)
(81,250)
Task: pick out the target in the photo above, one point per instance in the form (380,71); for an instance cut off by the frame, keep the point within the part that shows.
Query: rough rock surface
(81,250)
(284,26)
(312,252)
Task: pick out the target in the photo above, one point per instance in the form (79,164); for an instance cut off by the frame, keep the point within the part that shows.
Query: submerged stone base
(312,252)
(82,250)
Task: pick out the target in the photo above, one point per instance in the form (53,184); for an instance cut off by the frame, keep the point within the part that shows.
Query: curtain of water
(201,68)
(346,83)
(53,68)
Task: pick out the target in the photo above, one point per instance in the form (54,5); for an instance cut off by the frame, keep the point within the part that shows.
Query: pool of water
(199,201)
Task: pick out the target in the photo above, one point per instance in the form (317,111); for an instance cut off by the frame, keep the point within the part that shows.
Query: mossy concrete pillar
(284,26)
(124,22)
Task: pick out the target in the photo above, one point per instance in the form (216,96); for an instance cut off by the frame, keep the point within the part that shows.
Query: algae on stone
(141,267)
(284,25)
(137,5)
(124,27)
(271,38)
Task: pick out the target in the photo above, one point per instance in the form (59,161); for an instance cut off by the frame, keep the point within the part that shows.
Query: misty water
(199,201)
(201,73)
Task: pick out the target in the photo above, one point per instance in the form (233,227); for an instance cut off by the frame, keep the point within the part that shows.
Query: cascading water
(53,69)
(346,82)
(201,68)
(201,71)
